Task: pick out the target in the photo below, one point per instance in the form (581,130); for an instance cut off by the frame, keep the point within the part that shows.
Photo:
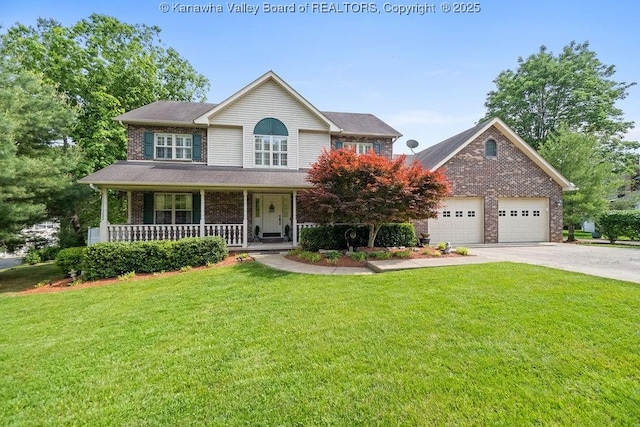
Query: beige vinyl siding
(270,100)
(225,146)
(311,145)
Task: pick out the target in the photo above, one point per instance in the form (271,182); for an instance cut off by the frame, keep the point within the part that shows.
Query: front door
(272,221)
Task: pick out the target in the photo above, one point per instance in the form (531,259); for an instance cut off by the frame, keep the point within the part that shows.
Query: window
(490,148)
(446,214)
(536,213)
(514,213)
(271,150)
(502,213)
(359,147)
(525,213)
(173,208)
(471,214)
(270,143)
(458,214)
(170,146)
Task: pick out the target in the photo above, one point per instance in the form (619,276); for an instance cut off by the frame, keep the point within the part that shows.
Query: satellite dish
(412,143)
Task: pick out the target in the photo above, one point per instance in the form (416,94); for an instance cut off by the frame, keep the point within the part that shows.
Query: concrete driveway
(602,261)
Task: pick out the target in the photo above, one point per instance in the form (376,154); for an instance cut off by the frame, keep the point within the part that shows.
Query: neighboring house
(229,169)
(502,189)
(196,169)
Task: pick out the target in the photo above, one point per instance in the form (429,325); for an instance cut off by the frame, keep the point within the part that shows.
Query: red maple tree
(371,189)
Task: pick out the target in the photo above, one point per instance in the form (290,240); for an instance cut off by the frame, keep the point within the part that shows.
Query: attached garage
(523,220)
(461,220)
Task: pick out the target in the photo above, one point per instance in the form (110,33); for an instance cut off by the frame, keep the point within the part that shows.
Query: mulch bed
(65,284)
(347,261)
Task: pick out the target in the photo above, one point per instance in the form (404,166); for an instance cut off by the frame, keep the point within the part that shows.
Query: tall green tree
(33,169)
(105,67)
(573,89)
(581,158)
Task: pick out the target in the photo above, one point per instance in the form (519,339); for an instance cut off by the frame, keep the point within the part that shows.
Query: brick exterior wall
(135,139)
(510,174)
(387,143)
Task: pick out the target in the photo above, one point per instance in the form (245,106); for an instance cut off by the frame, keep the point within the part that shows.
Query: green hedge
(70,259)
(332,237)
(614,224)
(113,259)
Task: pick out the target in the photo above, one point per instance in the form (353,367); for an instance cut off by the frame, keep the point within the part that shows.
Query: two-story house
(229,169)
(234,169)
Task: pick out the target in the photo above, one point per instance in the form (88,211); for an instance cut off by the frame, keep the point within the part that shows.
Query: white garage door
(460,221)
(523,220)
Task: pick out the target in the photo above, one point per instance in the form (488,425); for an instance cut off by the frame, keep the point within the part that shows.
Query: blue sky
(426,75)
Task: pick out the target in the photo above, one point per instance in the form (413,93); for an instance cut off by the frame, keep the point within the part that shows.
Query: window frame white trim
(173,209)
(359,147)
(271,153)
(174,146)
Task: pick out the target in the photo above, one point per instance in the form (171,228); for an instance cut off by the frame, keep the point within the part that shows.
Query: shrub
(614,224)
(310,256)
(71,259)
(403,254)
(359,256)
(333,236)
(114,259)
(461,250)
(334,255)
(442,246)
(33,257)
(380,255)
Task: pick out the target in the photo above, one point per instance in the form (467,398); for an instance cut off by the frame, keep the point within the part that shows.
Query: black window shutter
(377,147)
(147,208)
(196,152)
(148,145)
(196,208)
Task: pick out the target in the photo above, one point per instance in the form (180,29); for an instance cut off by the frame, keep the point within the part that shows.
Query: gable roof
(437,155)
(181,113)
(268,76)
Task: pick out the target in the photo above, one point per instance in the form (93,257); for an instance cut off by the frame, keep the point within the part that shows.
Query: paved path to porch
(278,261)
(595,260)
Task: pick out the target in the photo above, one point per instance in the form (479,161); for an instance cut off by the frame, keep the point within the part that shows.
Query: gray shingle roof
(131,173)
(430,157)
(187,112)
(361,124)
(166,111)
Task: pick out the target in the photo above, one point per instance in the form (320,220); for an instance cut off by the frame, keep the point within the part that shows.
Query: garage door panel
(459,221)
(523,220)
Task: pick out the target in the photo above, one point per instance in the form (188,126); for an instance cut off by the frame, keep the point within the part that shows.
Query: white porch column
(294,224)
(202,221)
(104,216)
(128,207)
(245,222)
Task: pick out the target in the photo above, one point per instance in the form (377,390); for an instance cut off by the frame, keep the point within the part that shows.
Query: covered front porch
(256,219)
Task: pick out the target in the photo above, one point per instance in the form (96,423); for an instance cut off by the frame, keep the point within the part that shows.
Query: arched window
(491,148)
(270,143)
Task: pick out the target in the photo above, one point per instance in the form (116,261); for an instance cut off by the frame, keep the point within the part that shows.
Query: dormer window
(270,138)
(490,148)
(360,147)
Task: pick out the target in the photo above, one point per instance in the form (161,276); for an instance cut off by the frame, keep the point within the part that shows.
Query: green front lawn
(503,343)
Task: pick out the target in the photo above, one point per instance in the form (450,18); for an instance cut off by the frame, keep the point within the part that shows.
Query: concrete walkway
(278,261)
(595,260)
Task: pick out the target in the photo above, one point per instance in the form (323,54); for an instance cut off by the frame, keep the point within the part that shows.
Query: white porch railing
(231,233)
